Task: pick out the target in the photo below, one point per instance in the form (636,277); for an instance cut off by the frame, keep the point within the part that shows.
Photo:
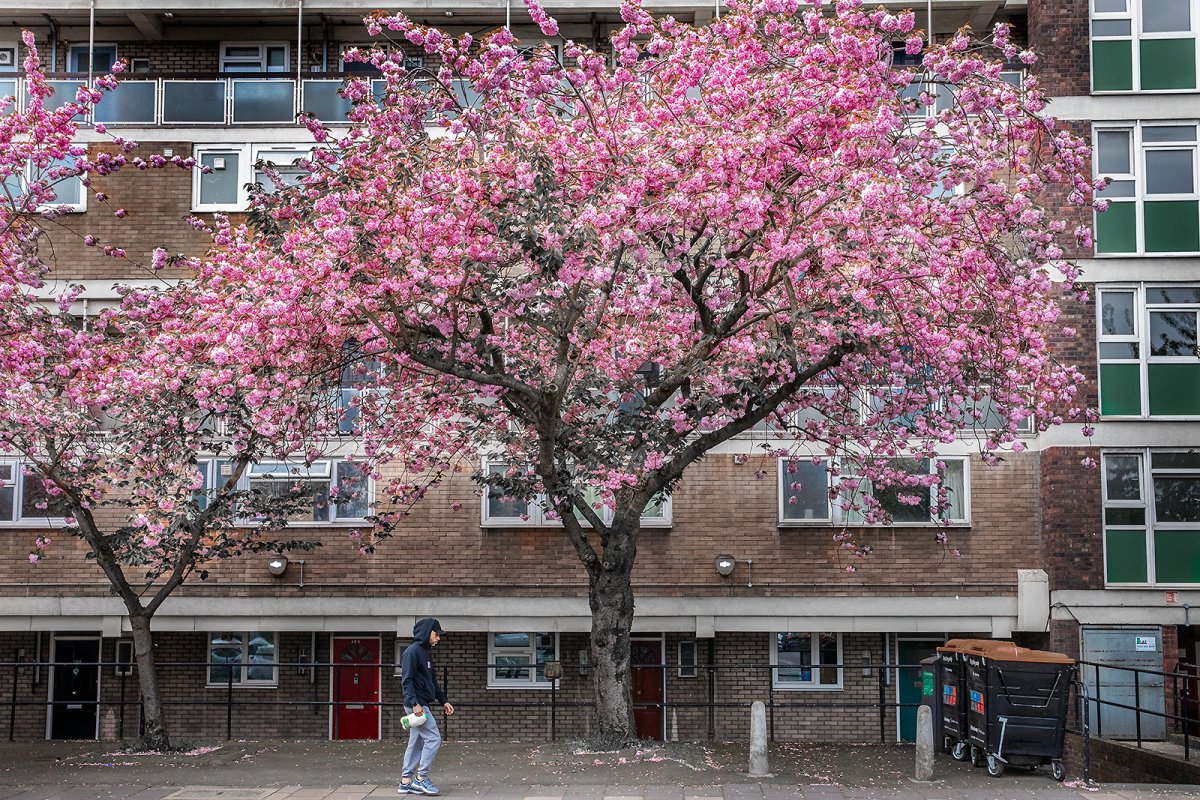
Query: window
(502,510)
(806,660)
(220,183)
(1152,517)
(103,56)
(340,490)
(366,68)
(1143,45)
(687,658)
(516,660)
(805,484)
(254,57)
(24,500)
(124,658)
(1154,205)
(245,659)
(58,176)
(1147,342)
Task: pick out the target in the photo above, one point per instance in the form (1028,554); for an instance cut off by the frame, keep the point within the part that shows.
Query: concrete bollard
(758,741)
(924,744)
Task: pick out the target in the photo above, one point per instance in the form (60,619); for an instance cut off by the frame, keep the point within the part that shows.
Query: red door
(355,688)
(646,666)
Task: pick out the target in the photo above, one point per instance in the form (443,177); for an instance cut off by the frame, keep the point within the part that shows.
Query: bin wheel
(959,753)
(1057,770)
(976,757)
(995,766)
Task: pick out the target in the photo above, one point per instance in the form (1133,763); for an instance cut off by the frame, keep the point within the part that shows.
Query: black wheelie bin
(1016,706)
(952,703)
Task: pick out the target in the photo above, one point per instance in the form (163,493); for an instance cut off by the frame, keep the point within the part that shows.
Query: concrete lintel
(705,627)
(1126,606)
(1033,600)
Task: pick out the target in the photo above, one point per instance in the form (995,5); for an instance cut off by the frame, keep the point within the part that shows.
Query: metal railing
(200,99)
(230,695)
(1155,695)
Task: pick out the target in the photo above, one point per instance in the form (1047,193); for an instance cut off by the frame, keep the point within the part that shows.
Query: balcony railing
(205,99)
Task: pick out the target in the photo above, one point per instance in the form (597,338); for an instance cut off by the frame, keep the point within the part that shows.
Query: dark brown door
(647,668)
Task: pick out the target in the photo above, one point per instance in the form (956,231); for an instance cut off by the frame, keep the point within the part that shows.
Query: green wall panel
(1116,229)
(1112,66)
(1174,389)
(1172,226)
(1125,556)
(1120,389)
(1168,63)
(1177,556)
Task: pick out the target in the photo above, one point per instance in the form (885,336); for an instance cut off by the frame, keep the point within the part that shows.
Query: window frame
(244,662)
(1140,196)
(1133,13)
(1142,308)
(530,650)
(838,513)
(248,154)
(213,472)
(17,481)
(814,684)
(263,47)
(688,668)
(539,516)
(1151,525)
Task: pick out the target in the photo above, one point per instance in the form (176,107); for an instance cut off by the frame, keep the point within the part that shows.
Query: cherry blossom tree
(599,268)
(115,420)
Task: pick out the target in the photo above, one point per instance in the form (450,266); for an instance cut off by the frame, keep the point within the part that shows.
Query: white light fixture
(725,565)
(277,565)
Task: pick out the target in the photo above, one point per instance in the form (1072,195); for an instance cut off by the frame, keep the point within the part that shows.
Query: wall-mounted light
(277,565)
(726,564)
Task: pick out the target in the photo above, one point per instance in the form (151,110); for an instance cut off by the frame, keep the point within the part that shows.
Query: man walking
(421,690)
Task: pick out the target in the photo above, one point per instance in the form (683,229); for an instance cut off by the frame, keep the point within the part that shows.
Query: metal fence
(551,703)
(1103,700)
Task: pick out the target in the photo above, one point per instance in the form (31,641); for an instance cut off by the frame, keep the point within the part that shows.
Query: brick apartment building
(1098,562)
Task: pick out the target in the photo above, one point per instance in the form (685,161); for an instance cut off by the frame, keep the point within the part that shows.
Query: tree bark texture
(154,735)
(610,594)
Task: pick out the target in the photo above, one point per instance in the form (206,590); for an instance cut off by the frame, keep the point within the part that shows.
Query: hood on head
(423,628)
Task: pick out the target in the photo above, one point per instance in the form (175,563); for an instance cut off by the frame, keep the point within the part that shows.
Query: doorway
(355,687)
(646,659)
(908,682)
(74,688)
(1131,649)
(103,58)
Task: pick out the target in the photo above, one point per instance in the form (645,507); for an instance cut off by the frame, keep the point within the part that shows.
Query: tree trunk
(610,594)
(154,736)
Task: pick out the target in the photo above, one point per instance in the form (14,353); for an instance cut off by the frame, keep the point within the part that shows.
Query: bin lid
(1008,651)
(961,645)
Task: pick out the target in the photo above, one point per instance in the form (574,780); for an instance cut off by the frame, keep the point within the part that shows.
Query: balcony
(209,99)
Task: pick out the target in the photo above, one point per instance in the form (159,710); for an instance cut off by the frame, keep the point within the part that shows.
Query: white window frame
(278,470)
(410,62)
(244,172)
(539,516)
(1133,14)
(18,491)
(248,155)
(1137,162)
(123,658)
(1143,307)
(262,46)
(530,650)
(243,682)
(814,683)
(837,511)
(1146,473)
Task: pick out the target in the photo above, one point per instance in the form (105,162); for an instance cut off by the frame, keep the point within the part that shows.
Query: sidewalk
(306,770)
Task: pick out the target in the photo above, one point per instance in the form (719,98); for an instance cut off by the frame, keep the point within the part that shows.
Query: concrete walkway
(304,770)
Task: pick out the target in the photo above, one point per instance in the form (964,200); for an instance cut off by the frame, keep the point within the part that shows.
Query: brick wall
(1126,763)
(1072,527)
(717,497)
(1059,32)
